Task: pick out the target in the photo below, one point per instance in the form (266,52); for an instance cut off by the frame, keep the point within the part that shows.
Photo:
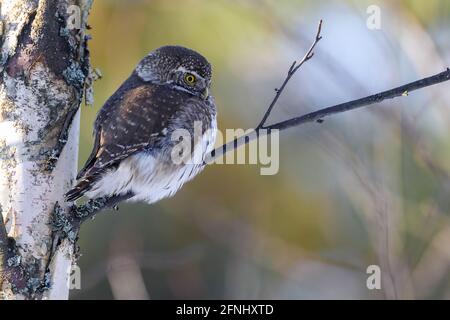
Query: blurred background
(368,187)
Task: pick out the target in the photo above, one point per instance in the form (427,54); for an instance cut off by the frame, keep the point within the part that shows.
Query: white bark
(43,74)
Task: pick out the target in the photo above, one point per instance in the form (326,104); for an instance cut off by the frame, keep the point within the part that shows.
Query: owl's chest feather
(151,176)
(156,177)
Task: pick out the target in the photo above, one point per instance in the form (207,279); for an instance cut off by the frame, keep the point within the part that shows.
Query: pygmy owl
(132,157)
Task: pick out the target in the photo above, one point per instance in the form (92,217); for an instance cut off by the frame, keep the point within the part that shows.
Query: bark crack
(46,66)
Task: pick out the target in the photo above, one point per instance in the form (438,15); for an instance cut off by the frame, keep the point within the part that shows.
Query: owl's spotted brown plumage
(132,155)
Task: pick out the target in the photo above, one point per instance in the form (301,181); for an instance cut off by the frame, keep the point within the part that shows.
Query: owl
(133,154)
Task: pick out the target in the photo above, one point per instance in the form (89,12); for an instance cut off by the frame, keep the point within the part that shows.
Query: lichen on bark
(44,68)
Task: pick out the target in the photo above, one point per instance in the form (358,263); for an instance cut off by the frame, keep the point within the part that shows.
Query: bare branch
(67,224)
(292,70)
(318,116)
(351,105)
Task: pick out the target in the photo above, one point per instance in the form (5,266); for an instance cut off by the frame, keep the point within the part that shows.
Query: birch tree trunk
(44,67)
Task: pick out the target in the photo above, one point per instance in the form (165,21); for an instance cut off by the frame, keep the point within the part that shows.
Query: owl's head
(181,67)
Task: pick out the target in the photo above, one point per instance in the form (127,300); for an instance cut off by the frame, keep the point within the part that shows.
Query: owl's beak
(205,93)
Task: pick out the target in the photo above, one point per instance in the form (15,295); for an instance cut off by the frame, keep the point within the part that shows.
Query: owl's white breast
(151,177)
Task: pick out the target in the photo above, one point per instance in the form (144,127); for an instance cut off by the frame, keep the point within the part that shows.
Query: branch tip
(292,70)
(319,115)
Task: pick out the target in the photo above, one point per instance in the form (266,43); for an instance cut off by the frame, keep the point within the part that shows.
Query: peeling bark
(45,66)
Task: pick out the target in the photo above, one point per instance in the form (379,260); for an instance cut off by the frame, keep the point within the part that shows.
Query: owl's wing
(131,120)
(91,159)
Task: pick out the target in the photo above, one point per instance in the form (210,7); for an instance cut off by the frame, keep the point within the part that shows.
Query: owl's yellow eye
(190,78)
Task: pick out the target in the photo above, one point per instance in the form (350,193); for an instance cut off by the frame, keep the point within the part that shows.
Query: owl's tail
(83,186)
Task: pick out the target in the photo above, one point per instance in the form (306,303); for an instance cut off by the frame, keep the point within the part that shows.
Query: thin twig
(292,70)
(351,105)
(318,116)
